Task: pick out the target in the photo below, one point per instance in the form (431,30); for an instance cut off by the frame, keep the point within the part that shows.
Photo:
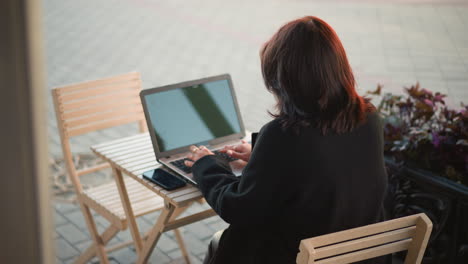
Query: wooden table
(132,156)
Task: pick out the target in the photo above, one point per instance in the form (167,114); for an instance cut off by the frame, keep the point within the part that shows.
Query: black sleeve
(253,139)
(252,197)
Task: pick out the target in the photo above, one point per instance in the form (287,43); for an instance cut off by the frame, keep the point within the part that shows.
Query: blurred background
(393,43)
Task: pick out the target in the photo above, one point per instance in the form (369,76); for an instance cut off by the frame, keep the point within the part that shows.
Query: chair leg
(90,252)
(182,247)
(97,239)
(155,233)
(125,198)
(178,234)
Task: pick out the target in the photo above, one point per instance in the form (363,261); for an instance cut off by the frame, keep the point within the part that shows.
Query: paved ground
(394,43)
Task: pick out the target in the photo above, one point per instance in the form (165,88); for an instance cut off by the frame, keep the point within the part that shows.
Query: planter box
(445,202)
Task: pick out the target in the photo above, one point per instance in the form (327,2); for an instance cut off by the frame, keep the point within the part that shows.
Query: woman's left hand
(197,153)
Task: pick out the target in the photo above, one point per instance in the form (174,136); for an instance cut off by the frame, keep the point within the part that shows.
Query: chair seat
(105,199)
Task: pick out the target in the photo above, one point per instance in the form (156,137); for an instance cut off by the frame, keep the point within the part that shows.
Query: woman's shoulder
(272,131)
(374,116)
(373,119)
(273,127)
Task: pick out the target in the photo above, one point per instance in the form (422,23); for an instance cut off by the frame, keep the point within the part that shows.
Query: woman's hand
(241,151)
(197,153)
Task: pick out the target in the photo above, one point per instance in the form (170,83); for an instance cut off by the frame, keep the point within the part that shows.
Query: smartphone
(164,179)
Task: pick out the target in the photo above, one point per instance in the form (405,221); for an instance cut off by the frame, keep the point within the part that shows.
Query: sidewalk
(395,44)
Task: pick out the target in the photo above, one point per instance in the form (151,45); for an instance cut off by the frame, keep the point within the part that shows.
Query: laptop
(199,112)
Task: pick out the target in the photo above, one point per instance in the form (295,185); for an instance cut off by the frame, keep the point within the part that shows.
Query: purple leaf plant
(422,131)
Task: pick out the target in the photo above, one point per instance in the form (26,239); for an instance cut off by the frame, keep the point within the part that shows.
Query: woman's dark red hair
(305,66)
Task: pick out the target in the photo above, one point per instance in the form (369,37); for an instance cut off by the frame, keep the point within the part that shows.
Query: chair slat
(111,193)
(126,142)
(138,160)
(102,117)
(101,82)
(92,109)
(147,207)
(142,156)
(142,165)
(188,196)
(188,189)
(101,209)
(366,242)
(92,169)
(122,158)
(102,146)
(362,231)
(100,90)
(183,190)
(103,125)
(368,253)
(128,147)
(131,151)
(120,96)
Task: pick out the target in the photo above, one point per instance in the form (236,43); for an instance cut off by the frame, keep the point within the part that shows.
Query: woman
(317,168)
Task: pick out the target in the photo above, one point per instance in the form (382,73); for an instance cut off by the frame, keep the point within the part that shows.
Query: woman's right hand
(241,151)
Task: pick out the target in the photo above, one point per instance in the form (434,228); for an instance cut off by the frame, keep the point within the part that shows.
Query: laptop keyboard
(181,165)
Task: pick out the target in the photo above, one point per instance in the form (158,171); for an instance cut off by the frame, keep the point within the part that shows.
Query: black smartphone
(164,179)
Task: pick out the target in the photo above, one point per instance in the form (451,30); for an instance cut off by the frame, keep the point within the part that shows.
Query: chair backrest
(407,233)
(94,105)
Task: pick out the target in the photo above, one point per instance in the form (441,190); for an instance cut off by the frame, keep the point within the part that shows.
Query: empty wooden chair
(409,233)
(85,107)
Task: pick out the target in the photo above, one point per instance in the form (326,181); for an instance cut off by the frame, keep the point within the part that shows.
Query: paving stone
(177,261)
(172,235)
(211,220)
(175,255)
(77,218)
(69,261)
(66,207)
(200,230)
(194,244)
(143,225)
(59,219)
(201,256)
(124,255)
(64,250)
(100,220)
(157,256)
(96,261)
(71,233)
(197,259)
(100,227)
(152,217)
(124,235)
(115,240)
(111,261)
(82,246)
(166,243)
(177,258)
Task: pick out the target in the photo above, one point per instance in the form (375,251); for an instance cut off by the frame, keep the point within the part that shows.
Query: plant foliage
(420,130)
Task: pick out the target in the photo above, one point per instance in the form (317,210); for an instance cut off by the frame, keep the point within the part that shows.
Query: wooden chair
(85,107)
(407,233)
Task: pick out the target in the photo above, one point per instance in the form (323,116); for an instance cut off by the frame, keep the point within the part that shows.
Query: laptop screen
(192,115)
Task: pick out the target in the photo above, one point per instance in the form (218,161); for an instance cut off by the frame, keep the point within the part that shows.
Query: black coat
(295,186)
